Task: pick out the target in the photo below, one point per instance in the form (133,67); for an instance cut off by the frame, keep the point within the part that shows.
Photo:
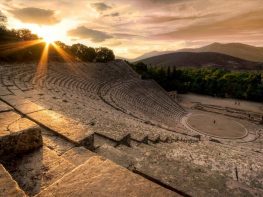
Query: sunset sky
(134,27)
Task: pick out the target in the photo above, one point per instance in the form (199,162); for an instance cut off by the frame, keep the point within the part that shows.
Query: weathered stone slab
(115,155)
(17,135)
(8,187)
(29,107)
(38,169)
(78,155)
(15,100)
(65,126)
(4,107)
(55,142)
(100,177)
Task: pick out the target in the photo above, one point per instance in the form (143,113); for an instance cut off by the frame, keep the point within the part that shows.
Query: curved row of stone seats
(86,89)
(133,96)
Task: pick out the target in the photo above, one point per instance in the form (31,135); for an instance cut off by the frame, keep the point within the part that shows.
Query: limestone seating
(136,104)
(112,180)
(54,74)
(71,78)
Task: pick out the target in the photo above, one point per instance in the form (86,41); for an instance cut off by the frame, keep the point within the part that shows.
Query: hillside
(204,59)
(242,51)
(150,54)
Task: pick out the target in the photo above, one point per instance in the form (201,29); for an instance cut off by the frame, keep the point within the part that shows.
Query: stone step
(78,155)
(135,154)
(113,135)
(55,142)
(66,127)
(8,186)
(100,140)
(17,135)
(101,177)
(37,170)
(115,155)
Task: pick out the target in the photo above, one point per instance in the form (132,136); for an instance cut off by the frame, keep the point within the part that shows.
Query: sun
(49,39)
(49,35)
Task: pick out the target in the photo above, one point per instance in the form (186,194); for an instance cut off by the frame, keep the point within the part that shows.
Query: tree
(104,55)
(25,35)
(83,52)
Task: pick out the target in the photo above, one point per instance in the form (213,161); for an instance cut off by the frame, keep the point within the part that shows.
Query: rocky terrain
(100,130)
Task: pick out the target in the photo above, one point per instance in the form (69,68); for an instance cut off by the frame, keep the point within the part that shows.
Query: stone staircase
(101,177)
(50,157)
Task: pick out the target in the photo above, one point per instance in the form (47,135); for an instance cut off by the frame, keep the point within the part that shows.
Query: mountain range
(202,59)
(239,50)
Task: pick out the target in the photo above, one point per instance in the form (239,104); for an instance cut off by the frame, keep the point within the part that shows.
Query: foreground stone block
(101,177)
(17,135)
(8,187)
(38,169)
(65,126)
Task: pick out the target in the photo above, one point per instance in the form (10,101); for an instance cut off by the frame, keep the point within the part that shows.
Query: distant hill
(203,59)
(150,54)
(242,51)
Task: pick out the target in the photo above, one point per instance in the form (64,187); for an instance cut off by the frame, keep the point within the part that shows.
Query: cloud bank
(35,15)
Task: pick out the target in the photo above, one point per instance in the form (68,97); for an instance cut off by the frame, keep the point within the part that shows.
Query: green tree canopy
(104,55)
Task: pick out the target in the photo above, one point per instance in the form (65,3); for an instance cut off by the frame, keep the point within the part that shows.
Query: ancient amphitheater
(90,129)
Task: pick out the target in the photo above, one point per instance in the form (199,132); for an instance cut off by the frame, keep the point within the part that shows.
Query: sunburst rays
(16,46)
(42,66)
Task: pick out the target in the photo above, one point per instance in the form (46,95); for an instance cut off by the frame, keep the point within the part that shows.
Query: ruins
(98,128)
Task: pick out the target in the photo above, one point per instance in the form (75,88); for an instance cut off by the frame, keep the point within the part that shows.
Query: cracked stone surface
(9,187)
(37,170)
(100,177)
(78,155)
(65,126)
(18,135)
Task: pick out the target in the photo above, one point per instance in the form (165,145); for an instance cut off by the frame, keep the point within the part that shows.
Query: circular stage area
(216,126)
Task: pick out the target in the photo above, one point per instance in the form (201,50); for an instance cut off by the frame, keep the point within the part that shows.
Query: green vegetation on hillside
(22,46)
(246,85)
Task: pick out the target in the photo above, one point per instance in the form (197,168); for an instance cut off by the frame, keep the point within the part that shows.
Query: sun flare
(49,39)
(49,35)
